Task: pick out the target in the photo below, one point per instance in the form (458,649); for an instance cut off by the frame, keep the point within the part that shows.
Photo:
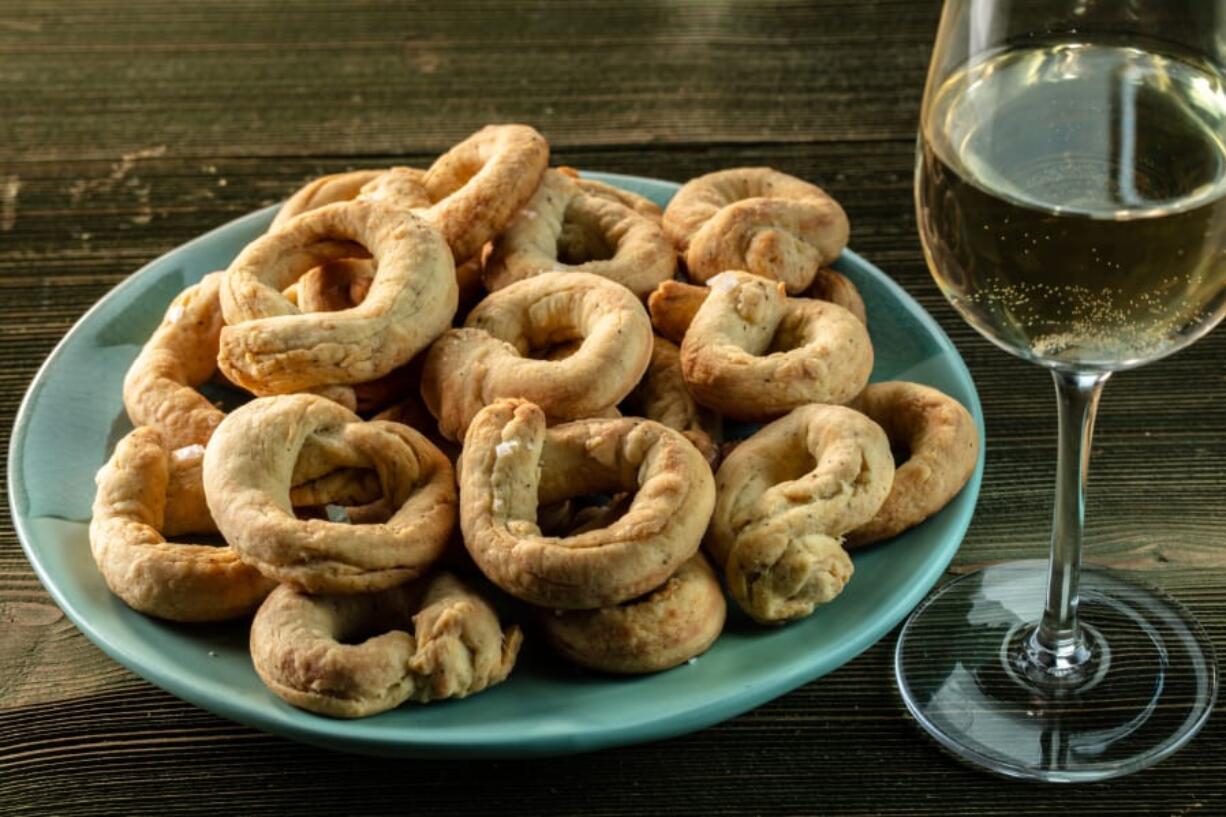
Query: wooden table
(127,128)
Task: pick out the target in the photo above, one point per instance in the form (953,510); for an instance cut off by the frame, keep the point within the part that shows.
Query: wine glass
(1071,197)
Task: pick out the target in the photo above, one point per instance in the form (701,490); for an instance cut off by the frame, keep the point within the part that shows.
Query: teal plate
(73,415)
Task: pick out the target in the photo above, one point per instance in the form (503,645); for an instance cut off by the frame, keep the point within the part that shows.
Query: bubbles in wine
(1072,201)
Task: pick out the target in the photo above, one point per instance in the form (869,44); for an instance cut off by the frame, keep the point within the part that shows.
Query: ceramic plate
(72,417)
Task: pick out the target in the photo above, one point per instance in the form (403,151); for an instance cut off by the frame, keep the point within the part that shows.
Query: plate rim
(334,734)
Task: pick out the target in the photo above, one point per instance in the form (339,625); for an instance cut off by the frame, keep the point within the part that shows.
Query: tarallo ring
(353,656)
(251,461)
(512,463)
(670,625)
(786,496)
(563,227)
(137,506)
(756,219)
(269,346)
(491,357)
(937,444)
(752,353)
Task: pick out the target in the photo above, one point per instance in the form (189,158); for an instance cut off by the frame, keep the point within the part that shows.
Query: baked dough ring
(269,347)
(302,650)
(511,464)
(674,304)
(833,286)
(131,519)
(479,185)
(639,204)
(159,389)
(941,443)
(752,353)
(662,396)
(756,219)
(786,496)
(564,228)
(324,190)
(187,509)
(248,467)
(468,368)
(670,625)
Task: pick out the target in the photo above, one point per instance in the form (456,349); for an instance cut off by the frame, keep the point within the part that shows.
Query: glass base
(963,671)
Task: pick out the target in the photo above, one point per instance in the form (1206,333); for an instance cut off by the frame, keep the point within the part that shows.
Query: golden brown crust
(301,647)
(160,578)
(479,185)
(563,228)
(268,346)
(159,389)
(943,445)
(253,458)
(672,624)
(323,190)
(752,353)
(756,219)
(673,306)
(511,463)
(639,204)
(663,396)
(468,368)
(831,285)
(786,496)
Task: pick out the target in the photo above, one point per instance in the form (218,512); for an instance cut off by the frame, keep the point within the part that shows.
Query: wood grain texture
(129,128)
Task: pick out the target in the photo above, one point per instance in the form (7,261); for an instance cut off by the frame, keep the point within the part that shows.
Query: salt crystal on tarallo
(337,513)
(174,313)
(505,449)
(724,282)
(187,452)
(529,214)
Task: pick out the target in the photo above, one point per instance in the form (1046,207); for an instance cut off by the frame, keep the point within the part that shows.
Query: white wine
(1072,201)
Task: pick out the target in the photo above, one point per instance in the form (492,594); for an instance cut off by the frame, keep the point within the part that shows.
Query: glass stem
(1058,645)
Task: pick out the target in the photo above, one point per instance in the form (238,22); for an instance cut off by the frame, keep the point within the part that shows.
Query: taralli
(786,496)
(469,368)
(669,626)
(833,286)
(304,649)
(752,353)
(399,187)
(492,314)
(187,509)
(674,304)
(662,396)
(564,228)
(269,346)
(159,389)
(940,447)
(756,219)
(593,187)
(479,185)
(511,464)
(322,191)
(127,536)
(250,463)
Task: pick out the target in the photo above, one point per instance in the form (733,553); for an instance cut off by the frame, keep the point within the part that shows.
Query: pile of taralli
(510,347)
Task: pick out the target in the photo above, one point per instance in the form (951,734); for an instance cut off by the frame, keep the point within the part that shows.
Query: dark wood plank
(314,77)
(130,128)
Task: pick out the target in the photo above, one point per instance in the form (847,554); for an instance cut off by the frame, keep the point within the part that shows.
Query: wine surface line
(1072,201)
